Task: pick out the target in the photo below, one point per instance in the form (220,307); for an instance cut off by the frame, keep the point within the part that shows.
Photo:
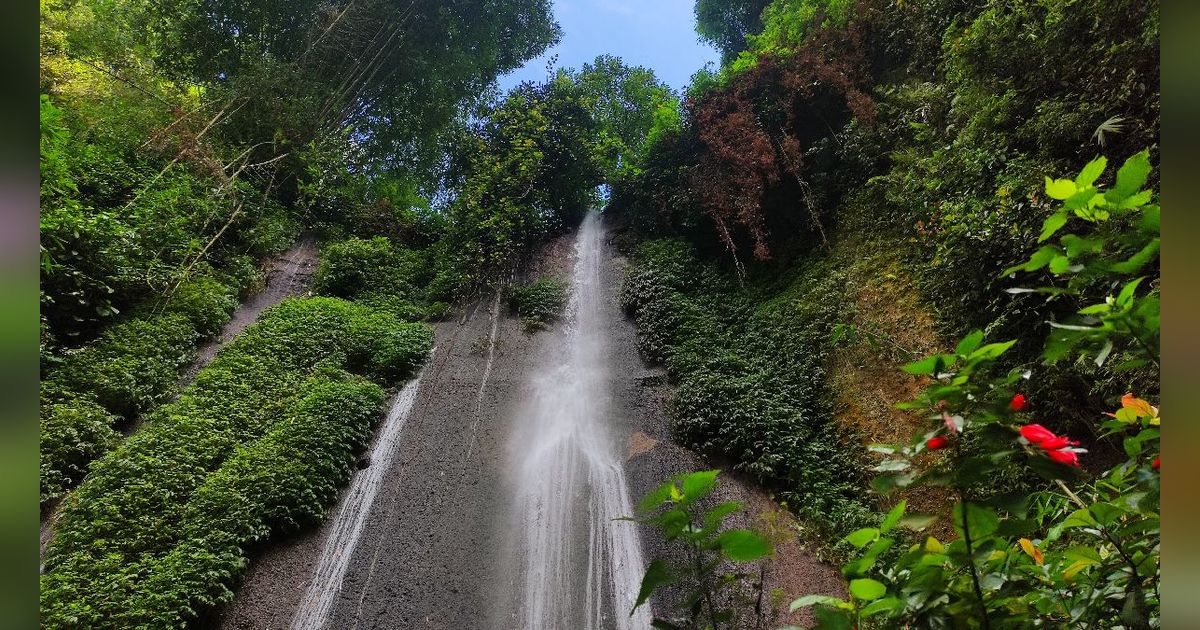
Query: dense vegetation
(918,137)
(258,445)
(859,184)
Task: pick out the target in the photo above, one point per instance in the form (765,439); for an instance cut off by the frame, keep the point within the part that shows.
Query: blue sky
(657,34)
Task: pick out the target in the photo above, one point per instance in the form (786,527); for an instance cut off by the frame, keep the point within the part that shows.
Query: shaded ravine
(286,275)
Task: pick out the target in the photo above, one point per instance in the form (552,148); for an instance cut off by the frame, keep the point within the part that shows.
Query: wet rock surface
(435,551)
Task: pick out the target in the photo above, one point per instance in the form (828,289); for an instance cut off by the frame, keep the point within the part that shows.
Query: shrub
(351,266)
(73,433)
(539,303)
(749,370)
(205,301)
(133,366)
(158,532)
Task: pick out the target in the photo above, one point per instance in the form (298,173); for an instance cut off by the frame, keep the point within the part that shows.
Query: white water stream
(347,525)
(579,567)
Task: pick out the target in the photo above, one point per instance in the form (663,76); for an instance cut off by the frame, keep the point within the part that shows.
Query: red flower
(1018,403)
(1155,464)
(937,443)
(1036,433)
(1054,445)
(1064,457)
(1057,442)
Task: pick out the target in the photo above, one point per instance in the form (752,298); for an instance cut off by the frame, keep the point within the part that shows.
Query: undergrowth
(538,303)
(257,446)
(749,368)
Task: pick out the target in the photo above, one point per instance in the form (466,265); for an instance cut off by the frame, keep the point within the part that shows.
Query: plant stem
(971,559)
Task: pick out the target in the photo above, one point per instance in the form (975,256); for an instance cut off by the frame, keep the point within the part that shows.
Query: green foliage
(1078,552)
(539,303)
(725,23)
(749,369)
(159,531)
(527,171)
(675,508)
(74,432)
(629,106)
(133,366)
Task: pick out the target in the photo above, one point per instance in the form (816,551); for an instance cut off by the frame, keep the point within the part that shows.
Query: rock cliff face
(437,543)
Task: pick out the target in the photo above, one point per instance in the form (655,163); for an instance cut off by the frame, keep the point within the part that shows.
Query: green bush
(539,303)
(158,532)
(205,301)
(74,432)
(133,366)
(748,365)
(354,265)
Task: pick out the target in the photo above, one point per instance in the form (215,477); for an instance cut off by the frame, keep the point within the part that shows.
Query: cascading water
(579,567)
(347,525)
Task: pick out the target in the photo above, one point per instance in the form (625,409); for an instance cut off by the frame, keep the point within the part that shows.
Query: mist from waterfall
(578,566)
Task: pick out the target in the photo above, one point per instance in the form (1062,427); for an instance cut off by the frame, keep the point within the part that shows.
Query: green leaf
(992,350)
(658,575)
(969,343)
(1138,260)
(1052,224)
(1060,188)
(1093,170)
(928,365)
(713,517)
(811,600)
(1132,175)
(1060,264)
(698,484)
(1079,518)
(1150,221)
(743,545)
(887,604)
(893,516)
(867,589)
(863,537)
(1039,259)
(981,521)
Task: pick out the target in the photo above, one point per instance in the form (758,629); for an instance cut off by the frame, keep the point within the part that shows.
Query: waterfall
(347,524)
(578,566)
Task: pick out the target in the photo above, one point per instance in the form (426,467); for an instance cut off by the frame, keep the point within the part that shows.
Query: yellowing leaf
(933,546)
(1076,567)
(1139,406)
(1032,551)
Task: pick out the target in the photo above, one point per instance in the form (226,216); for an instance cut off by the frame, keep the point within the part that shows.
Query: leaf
(812,600)
(658,575)
(1139,406)
(933,546)
(992,350)
(969,343)
(886,604)
(862,537)
(917,522)
(1052,224)
(1075,567)
(867,589)
(713,517)
(1032,551)
(743,545)
(698,484)
(980,520)
(928,365)
(1132,175)
(1138,260)
(1079,518)
(1093,170)
(893,516)
(1060,188)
